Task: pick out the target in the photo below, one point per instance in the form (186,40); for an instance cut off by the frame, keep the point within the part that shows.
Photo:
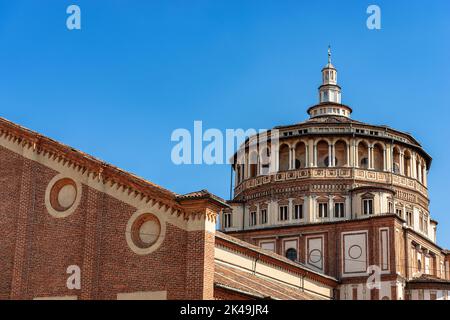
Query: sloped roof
(233,279)
(99,168)
(202,194)
(274,256)
(429,279)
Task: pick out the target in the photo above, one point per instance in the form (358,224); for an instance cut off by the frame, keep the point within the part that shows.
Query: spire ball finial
(329,54)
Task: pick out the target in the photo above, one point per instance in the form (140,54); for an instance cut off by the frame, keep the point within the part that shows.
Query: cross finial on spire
(329,54)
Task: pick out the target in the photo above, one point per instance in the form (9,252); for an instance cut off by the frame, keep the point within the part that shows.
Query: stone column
(312,210)
(307,155)
(290,210)
(258,165)
(370,156)
(424,177)
(390,161)
(348,155)
(306,209)
(419,173)
(312,152)
(388,158)
(274,155)
(330,155)
(315,156)
(348,207)
(333,155)
(402,163)
(330,208)
(291,159)
(246,168)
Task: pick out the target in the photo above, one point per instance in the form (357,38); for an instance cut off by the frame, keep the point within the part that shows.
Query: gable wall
(36,247)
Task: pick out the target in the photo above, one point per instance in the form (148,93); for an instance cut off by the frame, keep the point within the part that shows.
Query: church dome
(331,149)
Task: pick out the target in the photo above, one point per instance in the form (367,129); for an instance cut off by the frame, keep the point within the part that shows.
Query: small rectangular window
(409,218)
(252,218)
(227,220)
(368,206)
(390,207)
(263,216)
(283,213)
(323,210)
(339,210)
(298,211)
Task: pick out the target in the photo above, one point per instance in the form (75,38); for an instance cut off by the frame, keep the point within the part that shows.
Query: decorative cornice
(99,171)
(272,259)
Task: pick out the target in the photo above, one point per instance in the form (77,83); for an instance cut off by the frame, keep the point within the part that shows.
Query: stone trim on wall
(52,210)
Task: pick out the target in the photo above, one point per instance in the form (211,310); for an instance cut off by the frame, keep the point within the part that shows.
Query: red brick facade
(62,211)
(97,234)
(332,245)
(36,248)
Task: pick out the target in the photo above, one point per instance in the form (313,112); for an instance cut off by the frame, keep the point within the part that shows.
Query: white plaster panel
(355,253)
(314,250)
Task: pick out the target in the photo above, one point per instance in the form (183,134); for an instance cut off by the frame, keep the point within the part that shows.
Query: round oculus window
(62,196)
(145,230)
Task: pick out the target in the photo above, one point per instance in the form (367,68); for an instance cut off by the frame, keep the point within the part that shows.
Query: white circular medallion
(355,252)
(62,196)
(67,195)
(149,232)
(145,232)
(315,256)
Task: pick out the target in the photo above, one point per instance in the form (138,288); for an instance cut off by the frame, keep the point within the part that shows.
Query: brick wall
(224,294)
(332,240)
(36,248)
(200,265)
(10,176)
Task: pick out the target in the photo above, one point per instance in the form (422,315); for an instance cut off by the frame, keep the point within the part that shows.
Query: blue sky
(140,69)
